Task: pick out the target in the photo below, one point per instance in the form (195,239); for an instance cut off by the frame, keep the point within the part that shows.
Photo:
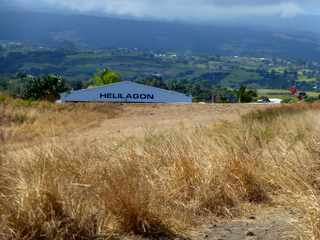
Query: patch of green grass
(274,93)
(281,93)
(240,76)
(303,78)
(279,69)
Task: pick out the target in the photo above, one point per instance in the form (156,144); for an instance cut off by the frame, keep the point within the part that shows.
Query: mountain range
(296,38)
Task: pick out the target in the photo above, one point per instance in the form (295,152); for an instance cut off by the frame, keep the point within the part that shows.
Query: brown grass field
(102,171)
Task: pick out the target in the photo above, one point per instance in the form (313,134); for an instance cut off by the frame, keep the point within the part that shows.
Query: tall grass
(24,121)
(164,185)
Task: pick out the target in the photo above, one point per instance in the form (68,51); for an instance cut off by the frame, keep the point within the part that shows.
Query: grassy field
(281,93)
(158,171)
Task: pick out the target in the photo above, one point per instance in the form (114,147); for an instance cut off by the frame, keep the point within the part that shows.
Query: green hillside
(189,73)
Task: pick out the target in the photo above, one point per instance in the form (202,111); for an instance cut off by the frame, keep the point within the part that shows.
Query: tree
(223,95)
(176,85)
(245,95)
(104,77)
(154,81)
(42,88)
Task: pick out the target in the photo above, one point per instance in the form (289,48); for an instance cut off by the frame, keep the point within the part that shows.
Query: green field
(281,93)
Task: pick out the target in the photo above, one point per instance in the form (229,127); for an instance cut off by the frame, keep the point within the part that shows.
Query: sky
(182,10)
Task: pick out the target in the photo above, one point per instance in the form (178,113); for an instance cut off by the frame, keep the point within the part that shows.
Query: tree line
(49,87)
(203,91)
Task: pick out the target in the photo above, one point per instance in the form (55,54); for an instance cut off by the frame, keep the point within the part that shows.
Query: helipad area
(127,91)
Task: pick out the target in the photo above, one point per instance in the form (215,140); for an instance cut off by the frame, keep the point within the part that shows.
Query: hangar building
(126,91)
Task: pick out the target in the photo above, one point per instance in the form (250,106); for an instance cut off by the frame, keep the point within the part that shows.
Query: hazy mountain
(301,23)
(286,39)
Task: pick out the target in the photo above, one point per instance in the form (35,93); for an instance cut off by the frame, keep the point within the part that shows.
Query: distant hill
(98,32)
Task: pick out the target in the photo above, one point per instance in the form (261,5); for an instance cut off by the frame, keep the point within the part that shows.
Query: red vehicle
(293,90)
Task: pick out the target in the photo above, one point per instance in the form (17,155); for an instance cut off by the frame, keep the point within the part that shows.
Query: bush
(43,88)
(311,99)
(290,100)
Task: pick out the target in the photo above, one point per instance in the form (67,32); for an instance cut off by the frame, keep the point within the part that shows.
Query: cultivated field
(281,93)
(159,171)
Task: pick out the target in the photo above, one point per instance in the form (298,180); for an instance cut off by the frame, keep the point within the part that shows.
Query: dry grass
(163,185)
(23,121)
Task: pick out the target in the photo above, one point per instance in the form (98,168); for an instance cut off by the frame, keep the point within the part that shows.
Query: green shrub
(290,100)
(43,88)
(312,99)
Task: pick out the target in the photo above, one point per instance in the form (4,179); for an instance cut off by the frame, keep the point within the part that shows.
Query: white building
(130,92)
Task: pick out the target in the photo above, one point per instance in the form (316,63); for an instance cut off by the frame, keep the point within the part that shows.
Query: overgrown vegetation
(42,88)
(29,87)
(24,120)
(162,185)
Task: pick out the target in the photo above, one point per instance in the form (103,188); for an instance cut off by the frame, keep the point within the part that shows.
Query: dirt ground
(136,119)
(275,223)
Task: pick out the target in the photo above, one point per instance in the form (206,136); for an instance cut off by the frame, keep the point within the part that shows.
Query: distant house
(127,91)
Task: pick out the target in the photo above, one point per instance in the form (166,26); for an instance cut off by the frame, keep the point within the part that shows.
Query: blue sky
(185,10)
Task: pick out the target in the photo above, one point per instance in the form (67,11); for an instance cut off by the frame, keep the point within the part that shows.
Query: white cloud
(186,10)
